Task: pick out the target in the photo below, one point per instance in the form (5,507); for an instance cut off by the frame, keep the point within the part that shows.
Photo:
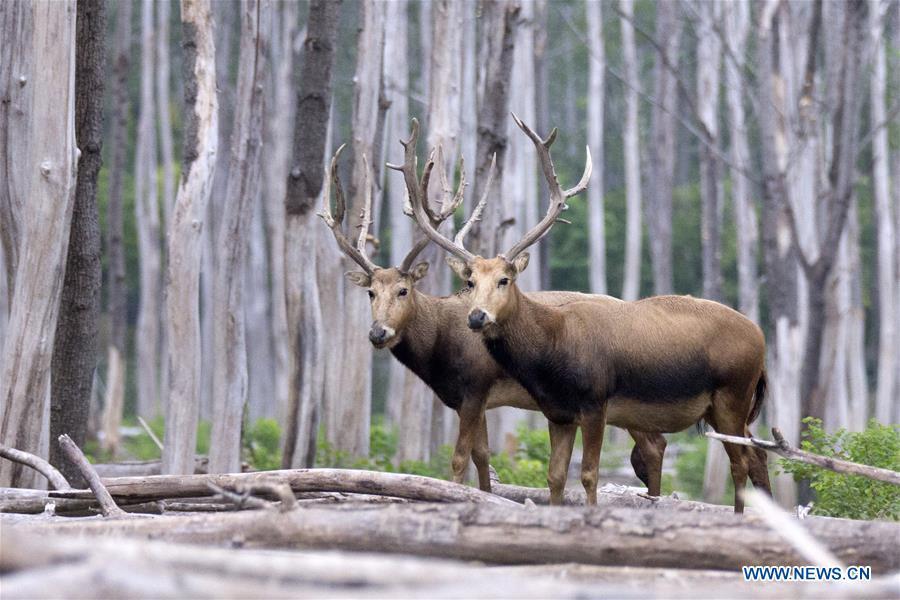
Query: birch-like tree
(595,103)
(184,241)
(661,171)
(75,347)
(44,228)
(229,336)
(147,221)
(114,398)
(304,185)
(888,390)
(631,144)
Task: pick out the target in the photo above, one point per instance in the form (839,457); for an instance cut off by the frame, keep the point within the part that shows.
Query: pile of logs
(303,532)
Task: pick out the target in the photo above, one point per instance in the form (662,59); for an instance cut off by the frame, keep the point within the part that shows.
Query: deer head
(492,280)
(391,290)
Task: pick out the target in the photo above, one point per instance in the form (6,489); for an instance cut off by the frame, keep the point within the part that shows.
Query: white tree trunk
(45,220)
(887,393)
(242,192)
(163,106)
(595,101)
(261,397)
(737,26)
(279,120)
(184,244)
(858,405)
(631,285)
(146,209)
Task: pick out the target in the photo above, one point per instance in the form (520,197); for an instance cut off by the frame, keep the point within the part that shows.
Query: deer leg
(562,440)
(470,414)
(651,447)
(759,470)
(592,427)
(726,421)
(481,456)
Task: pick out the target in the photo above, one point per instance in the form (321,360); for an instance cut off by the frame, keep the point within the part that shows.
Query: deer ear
(521,261)
(459,267)
(359,278)
(419,271)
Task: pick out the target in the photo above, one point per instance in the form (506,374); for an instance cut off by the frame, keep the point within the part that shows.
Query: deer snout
(477,319)
(380,334)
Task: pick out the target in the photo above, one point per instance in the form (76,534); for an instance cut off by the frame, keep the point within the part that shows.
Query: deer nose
(377,334)
(477,318)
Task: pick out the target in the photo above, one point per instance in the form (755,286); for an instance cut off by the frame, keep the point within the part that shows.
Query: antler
(335,222)
(558,196)
(429,220)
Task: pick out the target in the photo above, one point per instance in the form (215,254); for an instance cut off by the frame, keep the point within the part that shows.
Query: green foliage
(262,443)
(438,466)
(142,446)
(851,496)
(528,467)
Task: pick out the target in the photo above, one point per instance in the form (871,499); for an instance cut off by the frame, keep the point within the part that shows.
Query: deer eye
(371,295)
(403,292)
(470,283)
(504,281)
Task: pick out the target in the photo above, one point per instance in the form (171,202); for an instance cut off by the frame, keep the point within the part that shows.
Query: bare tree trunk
(662,150)
(737,27)
(595,101)
(895,70)
(888,389)
(183,277)
(16,78)
(75,347)
(162,103)
(229,336)
(45,226)
(410,401)
(858,405)
(631,286)
(261,397)
(497,38)
(114,399)
(779,253)
(542,121)
(279,121)
(709,55)
(146,208)
(304,185)
(347,423)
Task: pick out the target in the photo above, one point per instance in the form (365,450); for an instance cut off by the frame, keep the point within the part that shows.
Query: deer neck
(419,333)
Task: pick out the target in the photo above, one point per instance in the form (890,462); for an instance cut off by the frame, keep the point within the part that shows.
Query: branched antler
(335,221)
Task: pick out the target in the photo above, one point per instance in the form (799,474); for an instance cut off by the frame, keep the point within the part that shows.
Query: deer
(657,365)
(428,335)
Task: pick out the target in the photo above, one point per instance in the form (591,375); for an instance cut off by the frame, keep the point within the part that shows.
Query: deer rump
(657,362)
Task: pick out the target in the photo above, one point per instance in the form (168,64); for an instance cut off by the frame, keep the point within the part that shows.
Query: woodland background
(744,152)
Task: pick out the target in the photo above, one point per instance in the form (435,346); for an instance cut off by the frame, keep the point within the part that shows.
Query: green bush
(851,496)
(262,444)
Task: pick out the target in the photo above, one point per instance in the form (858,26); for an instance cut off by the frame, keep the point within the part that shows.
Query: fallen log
(67,567)
(400,485)
(56,479)
(496,534)
(143,468)
(107,505)
(608,495)
(781,447)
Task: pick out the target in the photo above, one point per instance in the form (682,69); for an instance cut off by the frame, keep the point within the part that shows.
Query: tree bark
(45,226)
(229,335)
(304,185)
(184,247)
(709,56)
(887,390)
(116,373)
(496,534)
(16,74)
(737,27)
(497,38)
(542,122)
(662,150)
(163,106)
(146,208)
(75,347)
(595,102)
(631,286)
(347,422)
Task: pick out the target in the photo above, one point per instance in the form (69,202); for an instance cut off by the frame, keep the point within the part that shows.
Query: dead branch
(495,534)
(781,447)
(56,479)
(142,468)
(412,487)
(76,456)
